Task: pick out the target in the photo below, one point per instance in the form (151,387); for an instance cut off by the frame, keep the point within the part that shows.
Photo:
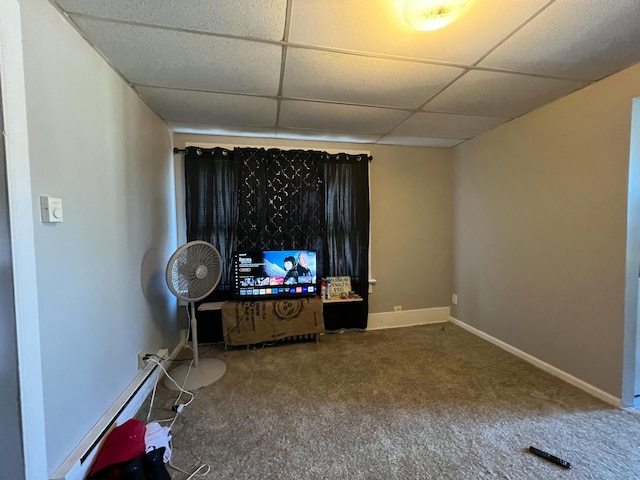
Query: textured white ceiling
(355,79)
(353,70)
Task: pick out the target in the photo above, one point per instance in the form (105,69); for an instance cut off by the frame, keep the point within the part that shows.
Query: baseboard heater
(76,466)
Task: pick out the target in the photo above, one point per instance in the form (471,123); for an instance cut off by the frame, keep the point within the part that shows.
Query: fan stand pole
(203,372)
(194,334)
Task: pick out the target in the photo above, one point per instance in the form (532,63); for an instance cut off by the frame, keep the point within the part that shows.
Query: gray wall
(12,465)
(540,212)
(411,227)
(101,293)
(411,217)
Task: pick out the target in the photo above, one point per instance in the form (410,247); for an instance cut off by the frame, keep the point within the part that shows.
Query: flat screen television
(274,274)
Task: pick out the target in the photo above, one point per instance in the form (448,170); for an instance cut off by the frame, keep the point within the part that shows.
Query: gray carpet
(426,402)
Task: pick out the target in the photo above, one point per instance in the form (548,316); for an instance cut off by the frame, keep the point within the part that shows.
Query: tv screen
(274,273)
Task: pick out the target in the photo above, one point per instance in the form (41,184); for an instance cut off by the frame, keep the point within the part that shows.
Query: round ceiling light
(427,15)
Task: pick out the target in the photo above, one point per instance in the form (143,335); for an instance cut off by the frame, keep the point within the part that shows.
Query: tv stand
(247,322)
(342,314)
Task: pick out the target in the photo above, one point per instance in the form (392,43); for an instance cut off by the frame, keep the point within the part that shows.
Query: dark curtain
(281,200)
(257,199)
(211,190)
(346,181)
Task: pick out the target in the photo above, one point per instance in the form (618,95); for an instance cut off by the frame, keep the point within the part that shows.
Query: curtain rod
(184,151)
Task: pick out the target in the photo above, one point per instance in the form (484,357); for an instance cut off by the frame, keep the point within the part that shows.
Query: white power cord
(178,408)
(196,473)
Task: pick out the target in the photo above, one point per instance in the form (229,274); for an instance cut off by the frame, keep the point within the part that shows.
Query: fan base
(208,371)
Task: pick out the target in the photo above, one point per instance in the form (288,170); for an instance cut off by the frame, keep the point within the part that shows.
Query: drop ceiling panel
(169,58)
(499,94)
(210,108)
(264,19)
(420,141)
(322,136)
(330,117)
(378,26)
(365,69)
(204,129)
(579,39)
(321,75)
(444,125)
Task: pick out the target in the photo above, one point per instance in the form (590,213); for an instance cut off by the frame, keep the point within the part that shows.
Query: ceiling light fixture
(427,15)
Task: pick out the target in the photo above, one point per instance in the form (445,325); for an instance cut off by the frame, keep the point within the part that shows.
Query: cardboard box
(249,322)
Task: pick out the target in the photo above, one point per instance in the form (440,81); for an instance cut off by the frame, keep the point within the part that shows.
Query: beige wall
(631,374)
(411,214)
(540,212)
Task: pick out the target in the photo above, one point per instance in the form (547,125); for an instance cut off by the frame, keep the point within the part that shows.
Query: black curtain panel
(272,199)
(211,190)
(346,191)
(281,200)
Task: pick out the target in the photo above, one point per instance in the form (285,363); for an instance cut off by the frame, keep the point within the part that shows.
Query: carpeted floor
(425,402)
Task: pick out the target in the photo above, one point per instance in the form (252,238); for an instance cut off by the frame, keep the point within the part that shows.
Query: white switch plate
(454,298)
(51,209)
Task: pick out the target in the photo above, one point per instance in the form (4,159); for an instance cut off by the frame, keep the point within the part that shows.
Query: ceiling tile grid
(574,39)
(445,125)
(323,136)
(499,94)
(420,141)
(353,70)
(331,117)
(169,58)
(245,18)
(320,75)
(378,26)
(211,108)
(208,129)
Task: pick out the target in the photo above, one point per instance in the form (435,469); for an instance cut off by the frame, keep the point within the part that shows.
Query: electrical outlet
(454,298)
(397,308)
(163,353)
(141,361)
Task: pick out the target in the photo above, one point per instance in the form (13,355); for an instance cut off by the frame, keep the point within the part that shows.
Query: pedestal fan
(193,272)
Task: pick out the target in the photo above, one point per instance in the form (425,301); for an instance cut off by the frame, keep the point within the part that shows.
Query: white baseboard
(76,466)
(556,372)
(407,318)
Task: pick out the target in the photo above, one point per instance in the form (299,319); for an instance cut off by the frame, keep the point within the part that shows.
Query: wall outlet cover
(141,361)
